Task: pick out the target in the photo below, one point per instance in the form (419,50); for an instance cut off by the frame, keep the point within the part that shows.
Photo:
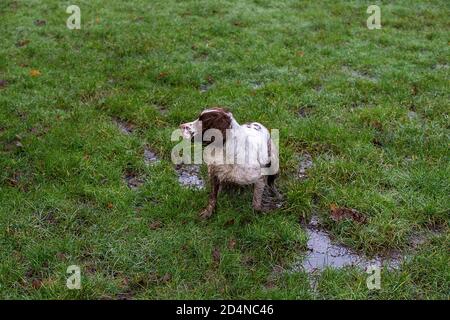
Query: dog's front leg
(215,186)
(258,194)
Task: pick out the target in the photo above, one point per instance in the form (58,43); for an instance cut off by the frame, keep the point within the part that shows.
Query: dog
(241,154)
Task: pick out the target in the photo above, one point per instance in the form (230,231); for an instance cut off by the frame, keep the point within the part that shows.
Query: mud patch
(124,126)
(189,176)
(150,156)
(358,74)
(205,87)
(306,162)
(305,111)
(132,180)
(324,253)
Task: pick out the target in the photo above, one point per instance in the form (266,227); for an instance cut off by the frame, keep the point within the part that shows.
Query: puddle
(255,85)
(305,163)
(189,176)
(150,157)
(124,127)
(132,180)
(323,253)
(205,87)
(412,115)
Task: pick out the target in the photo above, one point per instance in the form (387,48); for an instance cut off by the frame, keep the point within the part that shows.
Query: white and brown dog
(241,154)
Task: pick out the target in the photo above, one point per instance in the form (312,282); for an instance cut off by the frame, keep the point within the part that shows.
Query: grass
(375,120)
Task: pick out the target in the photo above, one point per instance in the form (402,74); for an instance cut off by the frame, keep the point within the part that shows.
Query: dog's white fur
(248,149)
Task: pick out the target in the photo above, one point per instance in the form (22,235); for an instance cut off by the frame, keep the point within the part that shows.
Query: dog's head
(214,118)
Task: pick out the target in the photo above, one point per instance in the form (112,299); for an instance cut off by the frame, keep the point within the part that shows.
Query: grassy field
(371,107)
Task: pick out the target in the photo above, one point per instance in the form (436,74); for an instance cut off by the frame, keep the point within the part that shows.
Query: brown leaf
(22,43)
(61,256)
(228,223)
(216,255)
(232,244)
(36,283)
(155,225)
(109,205)
(162,75)
(35,73)
(270,284)
(210,79)
(338,214)
(125,282)
(300,53)
(377,125)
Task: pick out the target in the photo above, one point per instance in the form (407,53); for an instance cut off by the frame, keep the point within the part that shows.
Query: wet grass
(369,107)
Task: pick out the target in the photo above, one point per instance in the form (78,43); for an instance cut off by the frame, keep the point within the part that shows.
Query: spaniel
(237,154)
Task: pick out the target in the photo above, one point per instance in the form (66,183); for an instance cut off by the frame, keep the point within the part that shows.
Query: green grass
(376,126)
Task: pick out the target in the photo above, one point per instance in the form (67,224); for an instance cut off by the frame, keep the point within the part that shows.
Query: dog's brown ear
(217,119)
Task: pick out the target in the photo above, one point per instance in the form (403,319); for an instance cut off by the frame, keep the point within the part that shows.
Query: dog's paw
(205,214)
(259,208)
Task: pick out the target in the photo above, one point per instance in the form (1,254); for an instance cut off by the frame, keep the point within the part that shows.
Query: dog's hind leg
(272,187)
(215,187)
(258,193)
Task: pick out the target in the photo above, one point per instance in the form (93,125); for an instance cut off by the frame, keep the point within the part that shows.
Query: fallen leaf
(22,43)
(36,283)
(210,79)
(125,282)
(61,256)
(35,73)
(155,225)
(216,255)
(338,214)
(377,125)
(109,205)
(300,53)
(232,244)
(162,75)
(228,223)
(270,284)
